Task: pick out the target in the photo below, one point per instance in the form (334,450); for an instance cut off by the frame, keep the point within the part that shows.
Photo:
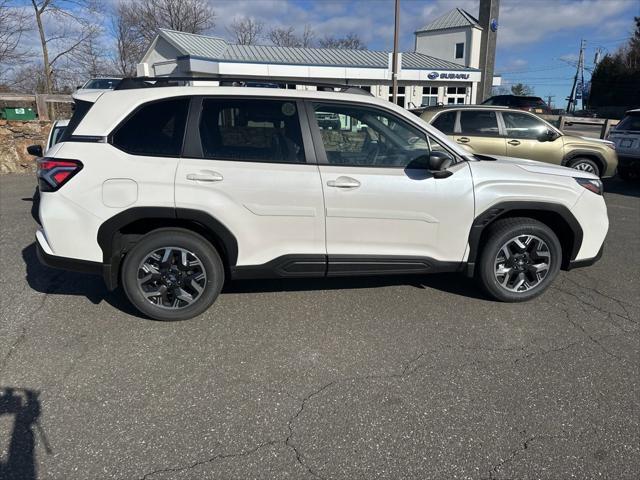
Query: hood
(576,138)
(542,167)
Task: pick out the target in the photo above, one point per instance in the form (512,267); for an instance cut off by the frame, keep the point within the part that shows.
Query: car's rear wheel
(585,165)
(519,260)
(172,274)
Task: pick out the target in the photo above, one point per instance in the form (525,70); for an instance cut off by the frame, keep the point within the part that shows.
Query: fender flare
(111,242)
(602,163)
(499,210)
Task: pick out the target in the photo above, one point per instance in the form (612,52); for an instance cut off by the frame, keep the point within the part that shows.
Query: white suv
(169,191)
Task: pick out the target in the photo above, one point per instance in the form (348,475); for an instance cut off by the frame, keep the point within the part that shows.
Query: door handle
(513,142)
(205,176)
(463,140)
(344,182)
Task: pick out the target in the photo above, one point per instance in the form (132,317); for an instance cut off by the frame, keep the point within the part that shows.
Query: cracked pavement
(413,377)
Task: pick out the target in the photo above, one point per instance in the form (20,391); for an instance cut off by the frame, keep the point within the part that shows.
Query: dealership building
(442,69)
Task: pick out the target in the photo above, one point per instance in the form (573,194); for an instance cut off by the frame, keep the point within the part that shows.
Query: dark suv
(528,104)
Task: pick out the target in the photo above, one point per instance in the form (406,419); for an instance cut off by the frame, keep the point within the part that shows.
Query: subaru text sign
(448,76)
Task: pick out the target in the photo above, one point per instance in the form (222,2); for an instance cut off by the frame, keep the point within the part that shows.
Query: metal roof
(455,18)
(213,48)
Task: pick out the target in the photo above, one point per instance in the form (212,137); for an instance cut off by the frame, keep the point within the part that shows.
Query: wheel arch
(557,217)
(589,154)
(118,234)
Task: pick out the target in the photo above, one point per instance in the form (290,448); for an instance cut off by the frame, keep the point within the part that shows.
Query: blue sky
(537,39)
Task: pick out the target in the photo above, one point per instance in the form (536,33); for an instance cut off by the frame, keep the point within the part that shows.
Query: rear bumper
(64,263)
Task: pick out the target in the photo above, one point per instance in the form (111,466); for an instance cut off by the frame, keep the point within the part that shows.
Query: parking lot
(411,377)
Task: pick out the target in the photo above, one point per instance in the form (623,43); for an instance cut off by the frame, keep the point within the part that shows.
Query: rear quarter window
(630,123)
(154,129)
(446,122)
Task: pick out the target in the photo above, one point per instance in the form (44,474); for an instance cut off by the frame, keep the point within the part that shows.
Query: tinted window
(519,125)
(446,122)
(528,102)
(154,129)
(368,137)
(251,130)
(630,123)
(80,109)
(55,136)
(459,50)
(479,122)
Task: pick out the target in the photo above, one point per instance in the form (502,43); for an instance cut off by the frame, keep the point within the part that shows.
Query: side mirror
(547,136)
(35,150)
(78,87)
(436,163)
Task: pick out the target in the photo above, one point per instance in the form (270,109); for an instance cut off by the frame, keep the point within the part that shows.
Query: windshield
(102,84)
(630,123)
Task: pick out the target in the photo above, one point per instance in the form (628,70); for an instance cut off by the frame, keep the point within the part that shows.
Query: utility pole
(549,98)
(394,68)
(573,96)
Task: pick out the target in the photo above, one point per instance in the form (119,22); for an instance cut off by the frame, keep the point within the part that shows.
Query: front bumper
(586,262)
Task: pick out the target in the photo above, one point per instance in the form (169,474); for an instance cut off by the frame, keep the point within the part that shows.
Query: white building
(442,69)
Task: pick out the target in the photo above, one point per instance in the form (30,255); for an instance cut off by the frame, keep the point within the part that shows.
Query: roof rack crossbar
(129,83)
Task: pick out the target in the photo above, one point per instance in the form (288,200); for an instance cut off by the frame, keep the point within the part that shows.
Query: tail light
(54,173)
(591,184)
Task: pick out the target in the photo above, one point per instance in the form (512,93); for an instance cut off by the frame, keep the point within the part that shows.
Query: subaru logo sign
(432,75)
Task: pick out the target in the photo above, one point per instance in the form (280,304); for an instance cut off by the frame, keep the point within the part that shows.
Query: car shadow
(621,187)
(23,406)
(60,282)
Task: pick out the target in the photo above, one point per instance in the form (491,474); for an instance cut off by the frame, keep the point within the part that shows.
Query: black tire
(586,165)
(501,232)
(627,175)
(202,251)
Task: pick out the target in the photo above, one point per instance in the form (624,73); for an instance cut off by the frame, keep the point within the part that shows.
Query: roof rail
(155,82)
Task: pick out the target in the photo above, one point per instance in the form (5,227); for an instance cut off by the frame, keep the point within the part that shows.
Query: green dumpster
(18,113)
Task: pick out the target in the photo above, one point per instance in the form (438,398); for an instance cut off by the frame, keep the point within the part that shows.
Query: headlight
(590,184)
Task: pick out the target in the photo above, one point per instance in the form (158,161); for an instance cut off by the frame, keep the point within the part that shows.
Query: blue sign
(432,75)
(494,24)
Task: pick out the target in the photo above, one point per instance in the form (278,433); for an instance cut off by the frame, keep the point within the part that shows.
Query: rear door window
(446,122)
(251,130)
(155,129)
(479,123)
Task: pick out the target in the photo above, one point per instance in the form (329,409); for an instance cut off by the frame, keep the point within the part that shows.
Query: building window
(460,50)
(456,95)
(429,96)
(401,95)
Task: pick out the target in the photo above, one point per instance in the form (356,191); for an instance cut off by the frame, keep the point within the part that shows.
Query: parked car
(626,136)
(503,131)
(99,84)
(528,104)
(168,191)
(56,132)
(585,114)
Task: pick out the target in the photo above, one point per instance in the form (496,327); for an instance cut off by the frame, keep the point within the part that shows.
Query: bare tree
(308,36)
(246,30)
(74,25)
(284,37)
(13,24)
(350,41)
(191,16)
(129,45)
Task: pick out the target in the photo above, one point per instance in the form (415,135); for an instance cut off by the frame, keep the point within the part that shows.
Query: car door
(478,130)
(523,138)
(246,165)
(384,211)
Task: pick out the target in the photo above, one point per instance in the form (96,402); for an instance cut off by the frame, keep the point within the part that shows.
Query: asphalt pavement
(399,378)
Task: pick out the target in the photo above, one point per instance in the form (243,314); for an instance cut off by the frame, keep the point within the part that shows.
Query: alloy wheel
(585,167)
(522,263)
(171,277)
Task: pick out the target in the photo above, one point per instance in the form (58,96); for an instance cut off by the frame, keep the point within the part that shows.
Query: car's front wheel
(585,165)
(172,274)
(519,260)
